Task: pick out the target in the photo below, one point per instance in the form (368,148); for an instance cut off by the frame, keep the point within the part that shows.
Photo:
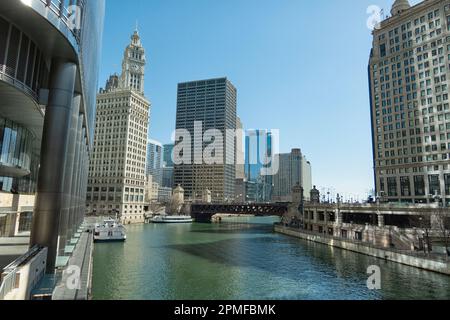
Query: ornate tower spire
(399,6)
(133,65)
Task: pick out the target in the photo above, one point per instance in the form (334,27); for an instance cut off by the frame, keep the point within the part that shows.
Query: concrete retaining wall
(418,262)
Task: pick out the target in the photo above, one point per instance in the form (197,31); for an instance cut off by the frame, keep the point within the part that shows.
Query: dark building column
(80,202)
(75,177)
(81,168)
(50,188)
(85,178)
(80,182)
(68,174)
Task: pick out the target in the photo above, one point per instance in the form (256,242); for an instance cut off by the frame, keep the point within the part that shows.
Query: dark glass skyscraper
(213,104)
(168,166)
(49,54)
(167,155)
(154,160)
(258,154)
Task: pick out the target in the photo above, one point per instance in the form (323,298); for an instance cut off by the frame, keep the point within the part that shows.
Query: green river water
(244,259)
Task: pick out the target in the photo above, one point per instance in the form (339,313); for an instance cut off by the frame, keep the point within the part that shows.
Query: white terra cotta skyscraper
(117,179)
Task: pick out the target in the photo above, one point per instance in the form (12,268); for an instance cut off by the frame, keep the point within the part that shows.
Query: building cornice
(394,20)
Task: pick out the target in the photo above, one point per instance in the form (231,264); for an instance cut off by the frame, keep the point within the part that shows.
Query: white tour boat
(109,231)
(172,219)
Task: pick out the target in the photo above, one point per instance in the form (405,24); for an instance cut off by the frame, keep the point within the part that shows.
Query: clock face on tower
(135,67)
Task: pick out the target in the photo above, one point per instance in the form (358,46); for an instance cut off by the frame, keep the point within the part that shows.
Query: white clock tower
(133,65)
(117,173)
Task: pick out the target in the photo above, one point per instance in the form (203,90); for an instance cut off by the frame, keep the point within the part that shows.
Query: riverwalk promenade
(431,262)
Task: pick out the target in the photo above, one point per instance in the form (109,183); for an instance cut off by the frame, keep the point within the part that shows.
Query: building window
(435,185)
(419,186)
(382,50)
(447,184)
(405,186)
(382,185)
(392,187)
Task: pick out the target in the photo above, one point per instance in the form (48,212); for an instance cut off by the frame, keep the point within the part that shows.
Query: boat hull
(110,231)
(109,240)
(173,222)
(172,219)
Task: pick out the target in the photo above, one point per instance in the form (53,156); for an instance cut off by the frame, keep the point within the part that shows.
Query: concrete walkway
(405,257)
(82,260)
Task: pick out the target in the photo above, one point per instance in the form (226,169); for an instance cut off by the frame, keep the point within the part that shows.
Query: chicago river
(244,259)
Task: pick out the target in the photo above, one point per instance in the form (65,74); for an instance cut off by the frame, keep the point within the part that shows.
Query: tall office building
(117,173)
(167,155)
(258,155)
(240,152)
(47,107)
(154,160)
(240,182)
(293,169)
(306,184)
(168,166)
(212,104)
(167,177)
(409,74)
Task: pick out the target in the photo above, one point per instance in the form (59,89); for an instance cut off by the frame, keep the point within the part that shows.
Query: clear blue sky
(299,66)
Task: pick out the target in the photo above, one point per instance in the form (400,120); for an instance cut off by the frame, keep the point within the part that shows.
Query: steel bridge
(204,212)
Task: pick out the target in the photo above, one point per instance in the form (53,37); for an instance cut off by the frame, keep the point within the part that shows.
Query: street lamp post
(438,220)
(425,236)
(379,215)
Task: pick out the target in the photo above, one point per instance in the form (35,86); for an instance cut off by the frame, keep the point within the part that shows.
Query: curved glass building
(49,57)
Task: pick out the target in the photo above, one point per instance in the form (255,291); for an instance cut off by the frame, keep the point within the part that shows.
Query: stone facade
(409,72)
(293,169)
(117,176)
(15,209)
(381,225)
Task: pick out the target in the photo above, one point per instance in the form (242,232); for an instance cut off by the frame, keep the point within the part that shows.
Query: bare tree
(155,207)
(423,225)
(443,223)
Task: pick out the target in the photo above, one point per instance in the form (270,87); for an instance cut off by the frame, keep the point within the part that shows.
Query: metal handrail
(17,263)
(5,76)
(8,277)
(58,8)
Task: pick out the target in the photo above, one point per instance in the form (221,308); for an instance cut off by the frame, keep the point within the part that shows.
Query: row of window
(407,187)
(111,197)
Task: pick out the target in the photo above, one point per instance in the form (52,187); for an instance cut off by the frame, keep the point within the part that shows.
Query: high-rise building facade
(258,155)
(48,80)
(408,75)
(306,184)
(211,104)
(168,166)
(240,150)
(167,177)
(154,160)
(117,173)
(293,170)
(167,155)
